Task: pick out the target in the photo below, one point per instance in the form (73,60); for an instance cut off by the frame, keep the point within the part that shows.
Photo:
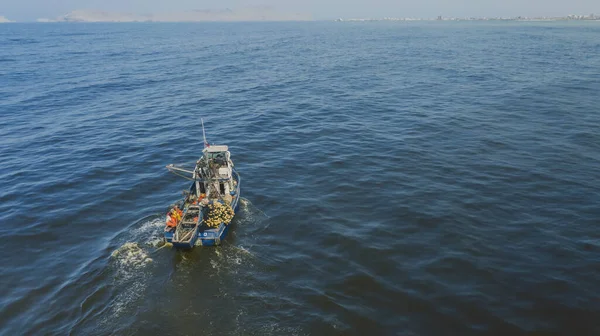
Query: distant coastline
(590,17)
(245,14)
(265,13)
(4,20)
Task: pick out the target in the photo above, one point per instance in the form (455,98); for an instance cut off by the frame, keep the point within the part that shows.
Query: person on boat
(171,222)
(176,213)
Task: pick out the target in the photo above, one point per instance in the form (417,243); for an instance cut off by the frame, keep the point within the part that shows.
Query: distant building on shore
(517,18)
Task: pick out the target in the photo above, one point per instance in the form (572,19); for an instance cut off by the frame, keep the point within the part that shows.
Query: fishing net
(219,213)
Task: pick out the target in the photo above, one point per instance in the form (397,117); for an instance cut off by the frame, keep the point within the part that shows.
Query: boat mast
(203,133)
(211,181)
(205,159)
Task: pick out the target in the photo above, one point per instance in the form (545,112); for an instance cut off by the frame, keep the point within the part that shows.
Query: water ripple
(398,178)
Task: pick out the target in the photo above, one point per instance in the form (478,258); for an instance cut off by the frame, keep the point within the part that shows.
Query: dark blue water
(398,178)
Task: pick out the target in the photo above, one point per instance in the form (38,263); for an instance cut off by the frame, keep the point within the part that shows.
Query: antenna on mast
(204,134)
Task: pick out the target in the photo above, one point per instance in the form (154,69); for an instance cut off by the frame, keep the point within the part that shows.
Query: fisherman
(174,214)
(170,220)
(178,213)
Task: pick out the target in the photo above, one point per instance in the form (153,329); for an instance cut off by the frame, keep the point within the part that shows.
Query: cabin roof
(216,148)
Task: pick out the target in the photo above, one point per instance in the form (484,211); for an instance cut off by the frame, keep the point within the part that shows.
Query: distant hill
(4,20)
(247,14)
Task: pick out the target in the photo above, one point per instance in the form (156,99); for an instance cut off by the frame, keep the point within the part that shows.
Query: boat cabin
(216,171)
(219,161)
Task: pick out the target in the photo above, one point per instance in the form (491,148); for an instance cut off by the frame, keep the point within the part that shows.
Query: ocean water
(398,178)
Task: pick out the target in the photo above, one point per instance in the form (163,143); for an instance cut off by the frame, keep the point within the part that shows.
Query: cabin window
(202,188)
(222,188)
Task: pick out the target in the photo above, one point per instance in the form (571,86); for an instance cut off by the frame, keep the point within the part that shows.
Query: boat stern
(168,234)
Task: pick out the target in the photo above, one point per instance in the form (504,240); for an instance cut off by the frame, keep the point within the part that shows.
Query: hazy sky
(29,10)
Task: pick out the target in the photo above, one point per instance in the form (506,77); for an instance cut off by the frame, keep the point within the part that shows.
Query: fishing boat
(204,215)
